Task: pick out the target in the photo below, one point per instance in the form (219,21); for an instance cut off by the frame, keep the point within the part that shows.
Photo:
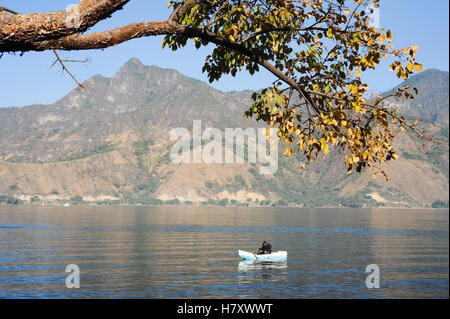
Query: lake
(191,252)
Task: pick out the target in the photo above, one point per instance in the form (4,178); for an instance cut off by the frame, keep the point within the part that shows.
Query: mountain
(110,144)
(432,101)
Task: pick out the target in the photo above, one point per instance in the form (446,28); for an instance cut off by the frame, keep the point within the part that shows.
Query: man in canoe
(266,248)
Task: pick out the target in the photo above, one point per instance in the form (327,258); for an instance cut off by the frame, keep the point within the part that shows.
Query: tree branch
(105,39)
(101,40)
(403,122)
(8,10)
(58,59)
(19,30)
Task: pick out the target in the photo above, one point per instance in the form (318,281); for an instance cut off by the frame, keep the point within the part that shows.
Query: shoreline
(228,206)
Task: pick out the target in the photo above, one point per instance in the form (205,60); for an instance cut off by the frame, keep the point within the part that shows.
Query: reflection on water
(191,252)
(275,270)
(250,265)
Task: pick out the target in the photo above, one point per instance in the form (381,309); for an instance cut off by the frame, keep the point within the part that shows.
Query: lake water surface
(191,252)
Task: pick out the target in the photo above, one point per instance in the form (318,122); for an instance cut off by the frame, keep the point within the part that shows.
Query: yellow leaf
(291,152)
(325,148)
(389,35)
(418,67)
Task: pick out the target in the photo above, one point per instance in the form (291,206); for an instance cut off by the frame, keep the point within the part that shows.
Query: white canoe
(251,256)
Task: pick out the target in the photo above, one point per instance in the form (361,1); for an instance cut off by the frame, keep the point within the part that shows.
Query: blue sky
(30,80)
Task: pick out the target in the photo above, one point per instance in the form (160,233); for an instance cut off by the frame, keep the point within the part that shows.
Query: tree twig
(61,62)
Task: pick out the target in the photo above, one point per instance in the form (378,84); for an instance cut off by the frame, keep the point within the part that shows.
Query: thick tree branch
(105,39)
(19,30)
(101,40)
